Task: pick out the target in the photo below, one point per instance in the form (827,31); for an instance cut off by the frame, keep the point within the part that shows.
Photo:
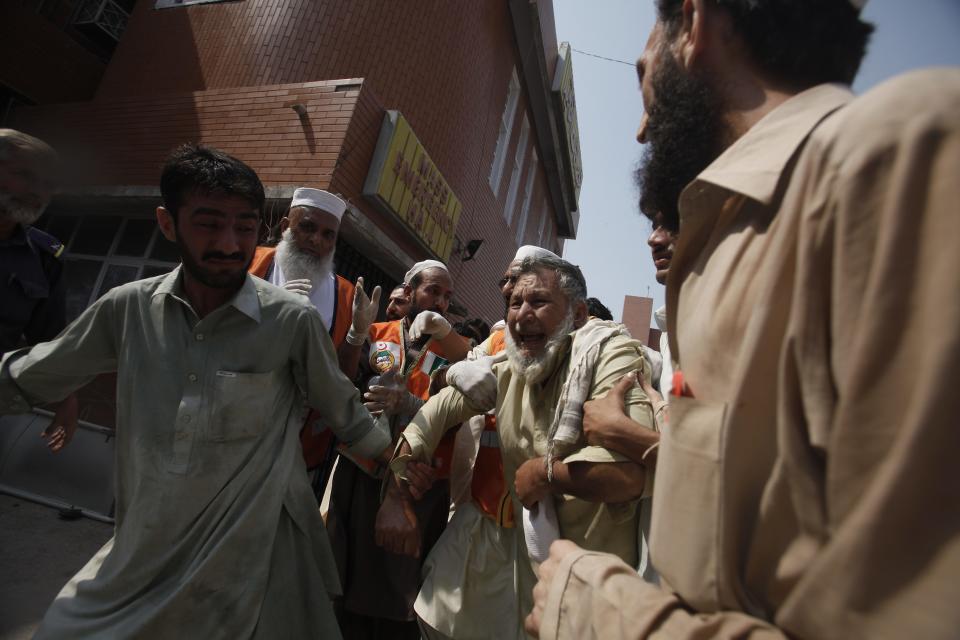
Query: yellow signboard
(405,182)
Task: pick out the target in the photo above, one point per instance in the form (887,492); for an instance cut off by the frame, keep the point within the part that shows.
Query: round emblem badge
(383,359)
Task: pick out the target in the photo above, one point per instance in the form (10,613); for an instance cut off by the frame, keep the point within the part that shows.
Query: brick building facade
(300,89)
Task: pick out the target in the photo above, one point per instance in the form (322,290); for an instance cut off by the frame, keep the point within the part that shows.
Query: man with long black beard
(813,313)
(562,486)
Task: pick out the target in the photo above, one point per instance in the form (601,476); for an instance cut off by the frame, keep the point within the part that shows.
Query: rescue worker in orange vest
(379,588)
(303,263)
(398,303)
(471,550)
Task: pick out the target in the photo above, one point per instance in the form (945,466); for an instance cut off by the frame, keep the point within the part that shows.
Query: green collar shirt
(212,496)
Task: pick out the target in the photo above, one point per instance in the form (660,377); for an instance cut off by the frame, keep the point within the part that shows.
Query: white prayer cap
(531,251)
(421,266)
(319,199)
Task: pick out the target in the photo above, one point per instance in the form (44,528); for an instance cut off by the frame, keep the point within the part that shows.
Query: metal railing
(106,14)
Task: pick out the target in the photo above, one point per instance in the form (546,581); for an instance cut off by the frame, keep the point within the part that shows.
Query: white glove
(475,380)
(430,323)
(364,312)
(302,287)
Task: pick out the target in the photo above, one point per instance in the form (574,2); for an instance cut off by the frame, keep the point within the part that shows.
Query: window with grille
(104,251)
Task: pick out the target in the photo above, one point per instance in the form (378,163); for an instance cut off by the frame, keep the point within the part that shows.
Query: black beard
(685,133)
(210,278)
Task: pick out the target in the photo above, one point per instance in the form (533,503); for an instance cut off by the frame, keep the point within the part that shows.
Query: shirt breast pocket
(686,500)
(241,404)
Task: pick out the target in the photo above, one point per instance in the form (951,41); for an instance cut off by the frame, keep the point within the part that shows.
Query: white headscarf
(319,199)
(532,251)
(421,266)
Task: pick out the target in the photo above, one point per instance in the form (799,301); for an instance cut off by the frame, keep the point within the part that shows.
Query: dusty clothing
(217,529)
(808,487)
(524,415)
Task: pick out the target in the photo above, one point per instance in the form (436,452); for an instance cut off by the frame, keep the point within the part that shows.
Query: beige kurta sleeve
(50,371)
(317,372)
(446,409)
(619,357)
(598,596)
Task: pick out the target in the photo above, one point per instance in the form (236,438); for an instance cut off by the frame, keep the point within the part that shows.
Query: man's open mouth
(531,340)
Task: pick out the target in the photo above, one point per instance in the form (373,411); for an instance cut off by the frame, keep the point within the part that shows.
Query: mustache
(217,255)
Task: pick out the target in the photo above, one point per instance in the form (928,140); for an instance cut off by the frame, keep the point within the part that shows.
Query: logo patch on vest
(383,358)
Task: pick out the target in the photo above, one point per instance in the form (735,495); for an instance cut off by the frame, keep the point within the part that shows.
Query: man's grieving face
(683,127)
(217,236)
(539,316)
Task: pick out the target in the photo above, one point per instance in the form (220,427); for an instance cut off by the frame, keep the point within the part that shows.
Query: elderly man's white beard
(23,214)
(532,368)
(297,264)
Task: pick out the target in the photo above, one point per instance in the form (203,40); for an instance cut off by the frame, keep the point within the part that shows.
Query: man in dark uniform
(32,289)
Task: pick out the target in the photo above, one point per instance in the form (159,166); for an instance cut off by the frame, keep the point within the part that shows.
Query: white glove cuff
(356,339)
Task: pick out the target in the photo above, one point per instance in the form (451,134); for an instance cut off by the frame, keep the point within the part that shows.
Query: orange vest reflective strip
(488,488)
(342,311)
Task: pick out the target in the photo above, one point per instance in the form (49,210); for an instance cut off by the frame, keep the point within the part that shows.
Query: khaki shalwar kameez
(809,487)
(217,531)
(524,414)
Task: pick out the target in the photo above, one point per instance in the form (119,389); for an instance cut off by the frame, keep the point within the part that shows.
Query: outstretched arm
(51,371)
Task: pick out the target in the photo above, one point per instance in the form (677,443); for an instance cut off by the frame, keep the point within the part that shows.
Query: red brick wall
(124,141)
(444,64)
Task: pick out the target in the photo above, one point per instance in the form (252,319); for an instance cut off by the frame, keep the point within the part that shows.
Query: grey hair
(572,282)
(11,138)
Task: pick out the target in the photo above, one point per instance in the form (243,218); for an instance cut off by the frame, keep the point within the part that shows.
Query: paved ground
(39,552)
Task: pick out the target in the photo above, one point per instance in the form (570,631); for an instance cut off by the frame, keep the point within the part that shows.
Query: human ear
(691,39)
(167,224)
(580,315)
(284,224)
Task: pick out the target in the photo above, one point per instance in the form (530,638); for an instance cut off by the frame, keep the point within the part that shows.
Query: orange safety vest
(388,351)
(314,439)
(488,488)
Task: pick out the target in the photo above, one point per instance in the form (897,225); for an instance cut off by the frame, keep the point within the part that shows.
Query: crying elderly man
(555,361)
